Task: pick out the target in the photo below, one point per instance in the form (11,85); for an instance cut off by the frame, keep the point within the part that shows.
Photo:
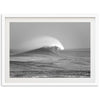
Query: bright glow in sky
(40,42)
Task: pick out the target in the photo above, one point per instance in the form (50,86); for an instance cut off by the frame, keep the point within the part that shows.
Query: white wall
(60,7)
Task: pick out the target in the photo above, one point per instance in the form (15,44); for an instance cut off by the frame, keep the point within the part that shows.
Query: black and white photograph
(54,50)
(50,50)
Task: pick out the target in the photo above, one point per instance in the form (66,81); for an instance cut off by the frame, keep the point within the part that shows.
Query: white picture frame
(7,81)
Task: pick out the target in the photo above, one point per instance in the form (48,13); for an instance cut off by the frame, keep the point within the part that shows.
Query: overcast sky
(71,35)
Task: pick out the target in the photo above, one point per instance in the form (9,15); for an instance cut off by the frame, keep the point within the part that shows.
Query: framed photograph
(48,50)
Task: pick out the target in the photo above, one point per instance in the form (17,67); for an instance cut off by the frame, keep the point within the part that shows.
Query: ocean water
(66,64)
